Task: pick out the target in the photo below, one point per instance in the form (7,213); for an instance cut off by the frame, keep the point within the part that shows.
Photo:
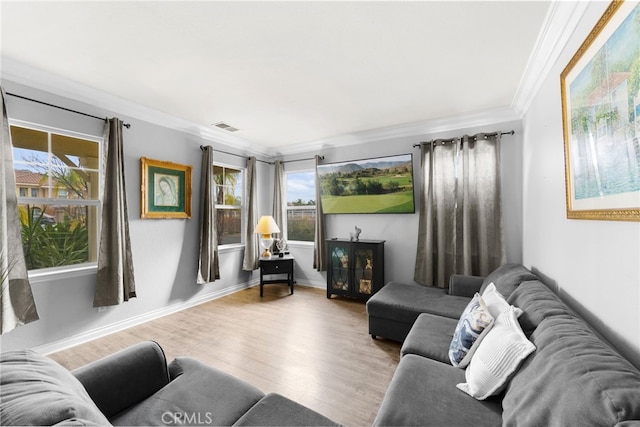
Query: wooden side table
(276,265)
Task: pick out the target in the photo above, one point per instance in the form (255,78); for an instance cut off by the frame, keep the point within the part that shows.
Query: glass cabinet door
(363,271)
(339,268)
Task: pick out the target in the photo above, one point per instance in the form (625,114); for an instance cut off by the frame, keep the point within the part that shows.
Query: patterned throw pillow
(474,323)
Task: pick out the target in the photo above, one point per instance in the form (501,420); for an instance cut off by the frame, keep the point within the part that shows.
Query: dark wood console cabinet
(356,268)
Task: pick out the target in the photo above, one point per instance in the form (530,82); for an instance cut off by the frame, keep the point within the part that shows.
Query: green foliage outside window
(59,215)
(301,229)
(228,192)
(301,206)
(49,244)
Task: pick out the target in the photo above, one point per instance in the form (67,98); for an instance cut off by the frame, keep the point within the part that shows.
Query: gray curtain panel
(280,198)
(319,243)
(460,222)
(481,214)
(251,248)
(436,231)
(16,298)
(208,261)
(115,281)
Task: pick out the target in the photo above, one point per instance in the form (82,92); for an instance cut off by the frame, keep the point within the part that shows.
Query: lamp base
(266,241)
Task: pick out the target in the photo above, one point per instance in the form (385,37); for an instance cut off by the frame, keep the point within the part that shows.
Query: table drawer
(276,266)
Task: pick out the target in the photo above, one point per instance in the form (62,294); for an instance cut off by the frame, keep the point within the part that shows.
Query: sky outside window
(301,186)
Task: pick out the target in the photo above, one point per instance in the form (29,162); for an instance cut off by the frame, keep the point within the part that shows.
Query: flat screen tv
(376,185)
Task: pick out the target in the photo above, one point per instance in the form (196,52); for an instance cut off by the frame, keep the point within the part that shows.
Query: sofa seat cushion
(430,337)
(403,302)
(574,378)
(35,390)
(196,395)
(423,392)
(277,410)
(507,278)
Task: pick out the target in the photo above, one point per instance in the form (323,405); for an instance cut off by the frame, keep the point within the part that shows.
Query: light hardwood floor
(314,350)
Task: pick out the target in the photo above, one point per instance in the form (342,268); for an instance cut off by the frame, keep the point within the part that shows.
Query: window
(228,189)
(61,218)
(301,205)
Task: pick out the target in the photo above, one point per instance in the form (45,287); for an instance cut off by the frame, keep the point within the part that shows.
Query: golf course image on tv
(377,185)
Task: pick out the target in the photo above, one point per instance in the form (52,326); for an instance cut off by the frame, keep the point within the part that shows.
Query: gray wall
(165,251)
(400,230)
(595,265)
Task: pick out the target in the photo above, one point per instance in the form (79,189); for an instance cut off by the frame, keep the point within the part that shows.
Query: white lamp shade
(267,225)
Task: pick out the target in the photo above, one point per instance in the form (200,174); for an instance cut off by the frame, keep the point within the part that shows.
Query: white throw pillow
(497,358)
(495,302)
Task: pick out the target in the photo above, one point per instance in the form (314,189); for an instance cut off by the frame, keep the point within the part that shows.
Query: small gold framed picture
(165,189)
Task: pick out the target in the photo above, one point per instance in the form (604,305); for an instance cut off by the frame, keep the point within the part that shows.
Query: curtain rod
(300,160)
(511,132)
(127,125)
(202,147)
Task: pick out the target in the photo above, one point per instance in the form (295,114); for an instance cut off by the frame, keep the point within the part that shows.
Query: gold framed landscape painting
(601,119)
(165,189)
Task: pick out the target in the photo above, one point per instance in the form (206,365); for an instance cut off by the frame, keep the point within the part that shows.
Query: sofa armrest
(121,380)
(464,286)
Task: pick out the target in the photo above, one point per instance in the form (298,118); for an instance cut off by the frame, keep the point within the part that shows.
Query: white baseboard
(137,320)
(313,284)
(102,331)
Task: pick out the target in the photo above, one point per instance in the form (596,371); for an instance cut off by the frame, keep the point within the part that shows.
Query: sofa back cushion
(35,390)
(573,378)
(537,302)
(507,278)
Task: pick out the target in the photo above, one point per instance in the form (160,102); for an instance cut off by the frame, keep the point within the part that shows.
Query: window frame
(294,208)
(73,270)
(242,206)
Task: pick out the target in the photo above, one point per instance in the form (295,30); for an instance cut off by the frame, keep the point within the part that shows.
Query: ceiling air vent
(224,126)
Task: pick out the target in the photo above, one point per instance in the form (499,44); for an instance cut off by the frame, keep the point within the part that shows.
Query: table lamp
(266,227)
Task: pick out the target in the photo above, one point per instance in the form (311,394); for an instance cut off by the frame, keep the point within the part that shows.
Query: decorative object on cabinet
(601,119)
(355,236)
(356,268)
(165,189)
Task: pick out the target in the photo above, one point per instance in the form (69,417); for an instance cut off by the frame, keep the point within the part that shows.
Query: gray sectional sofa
(573,378)
(136,387)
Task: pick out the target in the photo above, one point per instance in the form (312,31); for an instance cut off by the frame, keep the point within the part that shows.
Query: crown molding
(48,82)
(423,128)
(60,86)
(561,21)
(559,25)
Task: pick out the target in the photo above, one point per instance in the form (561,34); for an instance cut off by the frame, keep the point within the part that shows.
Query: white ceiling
(285,72)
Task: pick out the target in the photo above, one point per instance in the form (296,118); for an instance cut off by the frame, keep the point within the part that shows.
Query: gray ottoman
(393,310)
